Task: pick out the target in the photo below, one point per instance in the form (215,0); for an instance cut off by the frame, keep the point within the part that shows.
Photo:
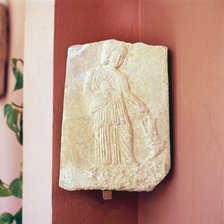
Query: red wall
(194,32)
(77,22)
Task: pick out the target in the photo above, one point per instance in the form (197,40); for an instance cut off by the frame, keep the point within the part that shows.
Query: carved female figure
(107,88)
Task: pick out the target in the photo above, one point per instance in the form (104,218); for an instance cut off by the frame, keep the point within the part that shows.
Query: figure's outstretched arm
(126,91)
(130,96)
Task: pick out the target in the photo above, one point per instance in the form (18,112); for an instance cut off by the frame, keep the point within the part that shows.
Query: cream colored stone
(115,131)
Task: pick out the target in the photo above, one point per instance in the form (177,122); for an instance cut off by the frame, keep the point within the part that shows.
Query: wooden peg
(107,195)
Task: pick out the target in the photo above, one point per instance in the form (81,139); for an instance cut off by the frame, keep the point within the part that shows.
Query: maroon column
(78,22)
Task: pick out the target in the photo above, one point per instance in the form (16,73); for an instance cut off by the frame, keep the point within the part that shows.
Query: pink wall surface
(194,32)
(10,150)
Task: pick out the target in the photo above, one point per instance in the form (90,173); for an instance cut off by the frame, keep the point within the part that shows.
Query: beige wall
(38,111)
(10,150)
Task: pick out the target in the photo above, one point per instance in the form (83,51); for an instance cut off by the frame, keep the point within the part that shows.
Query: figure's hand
(104,86)
(142,107)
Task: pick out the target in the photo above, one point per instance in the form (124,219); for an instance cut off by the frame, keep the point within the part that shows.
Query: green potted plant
(13,114)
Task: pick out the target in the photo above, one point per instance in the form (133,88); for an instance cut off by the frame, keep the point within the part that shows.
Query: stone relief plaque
(115,131)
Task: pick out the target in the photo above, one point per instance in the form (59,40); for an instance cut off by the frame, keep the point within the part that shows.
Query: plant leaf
(6,109)
(20,139)
(11,115)
(21,176)
(4,192)
(16,187)
(15,60)
(18,217)
(6,218)
(17,73)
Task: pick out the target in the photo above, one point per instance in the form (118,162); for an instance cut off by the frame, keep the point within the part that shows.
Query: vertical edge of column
(38,111)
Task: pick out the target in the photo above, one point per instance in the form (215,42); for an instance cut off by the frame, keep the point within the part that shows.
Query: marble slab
(115,130)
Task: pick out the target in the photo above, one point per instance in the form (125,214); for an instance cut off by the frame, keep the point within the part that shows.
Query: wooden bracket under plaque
(107,195)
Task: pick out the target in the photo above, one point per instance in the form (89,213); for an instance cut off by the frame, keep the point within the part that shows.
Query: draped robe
(112,126)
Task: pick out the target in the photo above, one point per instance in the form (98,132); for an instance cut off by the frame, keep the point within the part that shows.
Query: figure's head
(113,53)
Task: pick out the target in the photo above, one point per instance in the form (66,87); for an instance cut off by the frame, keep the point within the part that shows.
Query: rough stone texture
(115,131)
